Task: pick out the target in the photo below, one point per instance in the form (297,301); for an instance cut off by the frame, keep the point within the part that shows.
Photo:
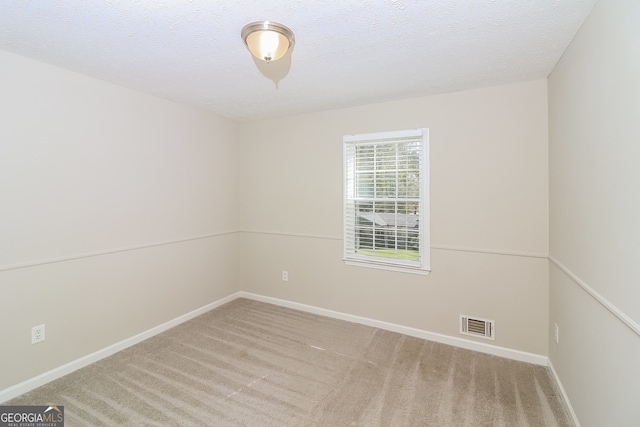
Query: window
(386,195)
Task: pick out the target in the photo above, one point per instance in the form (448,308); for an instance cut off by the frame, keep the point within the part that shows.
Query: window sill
(388,267)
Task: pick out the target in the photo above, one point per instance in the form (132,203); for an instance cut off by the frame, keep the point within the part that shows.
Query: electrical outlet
(285,276)
(557,333)
(37,334)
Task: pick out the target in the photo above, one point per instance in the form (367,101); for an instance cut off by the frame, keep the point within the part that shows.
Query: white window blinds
(385,199)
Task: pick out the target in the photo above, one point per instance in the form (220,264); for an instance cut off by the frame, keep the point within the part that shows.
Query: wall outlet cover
(37,334)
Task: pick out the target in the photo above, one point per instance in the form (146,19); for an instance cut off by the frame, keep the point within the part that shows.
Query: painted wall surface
(594,107)
(96,181)
(489,228)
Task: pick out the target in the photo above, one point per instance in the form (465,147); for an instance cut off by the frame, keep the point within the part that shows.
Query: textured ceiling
(347,52)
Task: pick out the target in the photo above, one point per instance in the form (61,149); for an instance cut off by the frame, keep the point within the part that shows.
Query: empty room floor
(250,363)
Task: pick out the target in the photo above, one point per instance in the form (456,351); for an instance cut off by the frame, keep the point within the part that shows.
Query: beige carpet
(255,364)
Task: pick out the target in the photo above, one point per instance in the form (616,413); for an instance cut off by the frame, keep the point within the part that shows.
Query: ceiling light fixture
(267,40)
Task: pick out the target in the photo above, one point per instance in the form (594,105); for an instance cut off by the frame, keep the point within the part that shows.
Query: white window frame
(351,257)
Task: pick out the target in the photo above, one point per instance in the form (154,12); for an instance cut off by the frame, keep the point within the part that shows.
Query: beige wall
(89,168)
(594,107)
(488,194)
(86,168)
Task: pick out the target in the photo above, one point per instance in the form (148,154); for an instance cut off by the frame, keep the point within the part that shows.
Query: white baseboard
(418,333)
(67,368)
(572,413)
(32,383)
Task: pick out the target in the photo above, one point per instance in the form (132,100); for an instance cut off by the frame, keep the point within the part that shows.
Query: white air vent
(476,327)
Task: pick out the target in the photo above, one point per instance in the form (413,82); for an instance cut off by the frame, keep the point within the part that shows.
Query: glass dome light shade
(266,40)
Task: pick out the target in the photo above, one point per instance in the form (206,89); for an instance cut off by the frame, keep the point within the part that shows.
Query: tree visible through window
(386,193)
